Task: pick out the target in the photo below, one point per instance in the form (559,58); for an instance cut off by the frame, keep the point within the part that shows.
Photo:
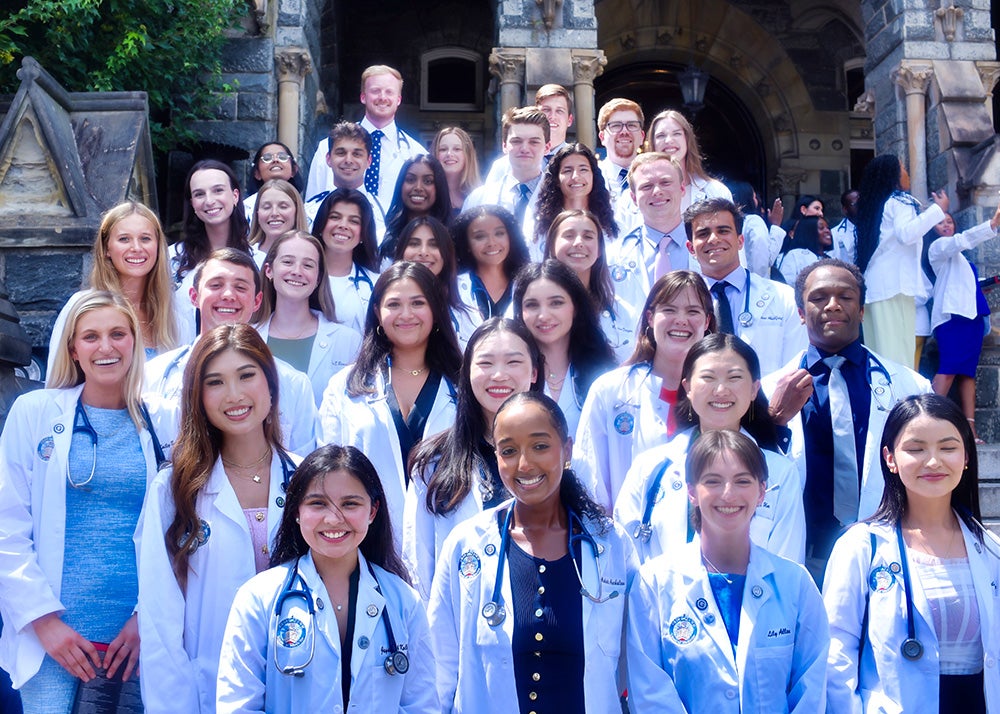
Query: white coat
(475,668)
(334,347)
(467,297)
(680,658)
(182,632)
(620,327)
(164,376)
(795,261)
(845,238)
(776,332)
(249,681)
(778,525)
(903,382)
(34,449)
(701,188)
(397,147)
(465,323)
(366,422)
(894,268)
(762,244)
(351,297)
(632,263)
(569,402)
(955,286)
(424,533)
(622,416)
(884,681)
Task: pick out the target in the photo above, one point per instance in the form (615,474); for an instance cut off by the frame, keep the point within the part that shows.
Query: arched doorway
(727,134)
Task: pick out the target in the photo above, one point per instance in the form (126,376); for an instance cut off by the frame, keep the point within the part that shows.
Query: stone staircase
(989,485)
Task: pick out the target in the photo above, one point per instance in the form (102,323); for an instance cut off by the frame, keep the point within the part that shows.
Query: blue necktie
(724,312)
(623,179)
(845,454)
(521,205)
(371,174)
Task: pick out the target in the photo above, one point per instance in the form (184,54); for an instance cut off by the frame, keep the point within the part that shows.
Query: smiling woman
(421,190)
(75,454)
(209,520)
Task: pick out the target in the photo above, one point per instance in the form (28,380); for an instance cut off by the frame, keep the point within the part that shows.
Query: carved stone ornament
(507,67)
(989,73)
(587,67)
(549,10)
(865,103)
(948,18)
(913,78)
(293,64)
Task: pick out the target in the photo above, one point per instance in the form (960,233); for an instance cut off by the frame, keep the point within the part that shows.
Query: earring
(379,331)
(649,335)
(566,465)
(296,519)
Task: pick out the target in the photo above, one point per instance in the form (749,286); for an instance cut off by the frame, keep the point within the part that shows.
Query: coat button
(730,694)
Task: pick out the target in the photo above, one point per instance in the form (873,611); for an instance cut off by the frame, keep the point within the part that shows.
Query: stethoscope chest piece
(745,319)
(912,649)
(494,613)
(397,663)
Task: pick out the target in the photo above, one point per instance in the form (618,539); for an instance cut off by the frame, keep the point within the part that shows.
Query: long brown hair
(199,444)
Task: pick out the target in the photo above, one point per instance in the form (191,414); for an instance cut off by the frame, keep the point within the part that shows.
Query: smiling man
(556,103)
(381,95)
(620,129)
(831,391)
(759,311)
(227,291)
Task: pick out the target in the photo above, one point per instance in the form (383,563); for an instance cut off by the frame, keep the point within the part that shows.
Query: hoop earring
(649,335)
(379,331)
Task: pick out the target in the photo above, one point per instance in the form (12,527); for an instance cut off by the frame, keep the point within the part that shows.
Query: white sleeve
(844,589)
(947,247)
(418,537)
(241,686)
(302,413)
(807,690)
(57,332)
(908,226)
(331,411)
(651,689)
(419,695)
(169,680)
(788,531)
(591,457)
(318,180)
(443,614)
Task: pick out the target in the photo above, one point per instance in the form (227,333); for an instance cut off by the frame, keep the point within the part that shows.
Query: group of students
(450,468)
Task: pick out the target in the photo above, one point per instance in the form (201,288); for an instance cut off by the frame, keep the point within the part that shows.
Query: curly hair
(551,201)
(879,181)
(517,253)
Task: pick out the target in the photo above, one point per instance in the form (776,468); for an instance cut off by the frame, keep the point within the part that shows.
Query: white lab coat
(955,285)
(475,668)
(351,297)
(424,533)
(568,401)
(502,193)
(701,188)
(366,422)
(397,148)
(845,238)
(761,244)
(795,261)
(894,268)
(465,323)
(334,347)
(632,263)
(34,449)
(778,525)
(620,327)
(777,331)
(780,660)
(622,416)
(164,376)
(903,383)
(887,682)
(467,298)
(182,632)
(249,681)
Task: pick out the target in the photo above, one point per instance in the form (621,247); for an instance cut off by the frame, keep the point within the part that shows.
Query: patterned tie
(845,455)
(724,311)
(521,203)
(623,179)
(371,174)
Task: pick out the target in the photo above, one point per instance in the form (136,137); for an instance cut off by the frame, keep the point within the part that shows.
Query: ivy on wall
(170,49)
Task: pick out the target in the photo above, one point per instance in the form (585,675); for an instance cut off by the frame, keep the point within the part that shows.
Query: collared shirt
(844,241)
(735,292)
(817,429)
(612,177)
(676,246)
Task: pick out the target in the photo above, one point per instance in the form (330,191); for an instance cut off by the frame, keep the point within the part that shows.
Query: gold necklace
(256,478)
(413,372)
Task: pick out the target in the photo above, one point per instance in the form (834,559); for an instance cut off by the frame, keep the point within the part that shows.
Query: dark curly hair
(551,202)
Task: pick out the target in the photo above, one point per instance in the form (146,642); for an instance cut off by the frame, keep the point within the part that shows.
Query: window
(451,80)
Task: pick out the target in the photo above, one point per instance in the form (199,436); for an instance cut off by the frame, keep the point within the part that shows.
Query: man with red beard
(619,124)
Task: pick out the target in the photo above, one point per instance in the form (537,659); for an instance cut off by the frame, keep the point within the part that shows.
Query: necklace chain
(413,372)
(713,566)
(255,477)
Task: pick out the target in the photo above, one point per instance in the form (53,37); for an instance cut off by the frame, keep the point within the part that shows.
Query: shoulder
(473,530)
(783,292)
(911,381)
(396,590)
(265,584)
(47,400)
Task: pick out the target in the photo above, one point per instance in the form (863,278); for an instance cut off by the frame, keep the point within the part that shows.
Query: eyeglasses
(282,158)
(616,126)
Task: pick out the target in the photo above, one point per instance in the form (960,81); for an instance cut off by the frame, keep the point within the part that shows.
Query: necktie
(845,455)
(371,174)
(623,179)
(663,263)
(521,203)
(724,312)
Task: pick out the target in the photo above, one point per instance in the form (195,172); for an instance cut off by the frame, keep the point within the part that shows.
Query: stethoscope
(745,318)
(883,393)
(361,276)
(631,401)
(82,425)
(295,587)
(495,612)
(911,648)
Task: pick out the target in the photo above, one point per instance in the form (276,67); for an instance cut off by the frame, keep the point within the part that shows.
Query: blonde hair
(66,371)
(257,234)
(321,298)
(616,105)
(158,292)
(471,177)
(648,157)
(377,69)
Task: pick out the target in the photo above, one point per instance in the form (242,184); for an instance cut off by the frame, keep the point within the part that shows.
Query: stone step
(989,484)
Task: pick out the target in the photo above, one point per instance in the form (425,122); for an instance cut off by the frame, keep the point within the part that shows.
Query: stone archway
(747,64)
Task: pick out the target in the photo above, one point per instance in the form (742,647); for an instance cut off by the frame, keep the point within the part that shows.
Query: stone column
(989,73)
(507,64)
(587,64)
(914,77)
(293,64)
